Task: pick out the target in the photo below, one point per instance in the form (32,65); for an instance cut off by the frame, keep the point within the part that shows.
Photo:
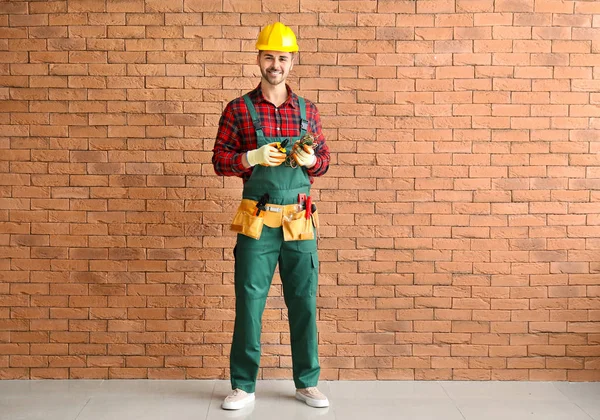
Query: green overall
(255,262)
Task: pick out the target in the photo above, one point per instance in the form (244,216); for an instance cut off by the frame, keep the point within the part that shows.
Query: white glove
(267,155)
(304,157)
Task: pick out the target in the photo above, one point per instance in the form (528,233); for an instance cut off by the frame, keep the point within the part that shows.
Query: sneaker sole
(312,402)
(238,405)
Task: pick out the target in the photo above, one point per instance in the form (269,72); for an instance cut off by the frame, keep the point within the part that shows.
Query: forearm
(322,160)
(229,163)
(245,161)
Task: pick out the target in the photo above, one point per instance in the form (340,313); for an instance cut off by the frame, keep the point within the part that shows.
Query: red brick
(583,375)
(551,33)
(509,375)
(442,6)
(433,374)
(554,6)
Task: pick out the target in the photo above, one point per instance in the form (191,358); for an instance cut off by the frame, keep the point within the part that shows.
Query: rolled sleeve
(322,150)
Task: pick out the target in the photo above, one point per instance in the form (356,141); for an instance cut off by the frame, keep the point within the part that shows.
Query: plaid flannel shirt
(236,133)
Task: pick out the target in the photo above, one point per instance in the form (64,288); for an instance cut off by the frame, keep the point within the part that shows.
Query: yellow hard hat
(277,37)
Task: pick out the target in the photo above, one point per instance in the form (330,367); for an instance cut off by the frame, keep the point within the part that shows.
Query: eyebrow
(278,56)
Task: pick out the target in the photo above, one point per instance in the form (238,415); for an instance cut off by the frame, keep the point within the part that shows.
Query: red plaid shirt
(236,133)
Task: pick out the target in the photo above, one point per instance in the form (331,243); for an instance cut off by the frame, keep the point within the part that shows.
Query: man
(262,139)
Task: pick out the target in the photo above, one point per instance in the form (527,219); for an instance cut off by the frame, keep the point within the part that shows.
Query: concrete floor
(191,399)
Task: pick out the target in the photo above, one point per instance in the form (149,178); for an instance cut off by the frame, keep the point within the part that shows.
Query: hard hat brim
(264,47)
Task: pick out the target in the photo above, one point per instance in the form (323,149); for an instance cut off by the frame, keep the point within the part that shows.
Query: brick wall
(461,212)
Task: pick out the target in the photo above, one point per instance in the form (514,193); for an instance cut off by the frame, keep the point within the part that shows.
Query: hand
(305,156)
(267,155)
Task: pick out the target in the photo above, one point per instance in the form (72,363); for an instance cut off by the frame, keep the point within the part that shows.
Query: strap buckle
(257,126)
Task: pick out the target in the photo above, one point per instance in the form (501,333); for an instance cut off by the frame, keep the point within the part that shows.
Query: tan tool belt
(295,225)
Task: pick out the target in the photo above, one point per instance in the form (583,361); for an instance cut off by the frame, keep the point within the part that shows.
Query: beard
(273,78)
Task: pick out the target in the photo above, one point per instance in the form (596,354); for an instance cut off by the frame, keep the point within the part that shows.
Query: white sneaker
(312,397)
(237,400)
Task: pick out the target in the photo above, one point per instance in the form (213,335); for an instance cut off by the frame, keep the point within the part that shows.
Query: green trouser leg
(255,263)
(298,267)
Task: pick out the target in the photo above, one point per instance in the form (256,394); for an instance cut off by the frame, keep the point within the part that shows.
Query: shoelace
(313,391)
(235,393)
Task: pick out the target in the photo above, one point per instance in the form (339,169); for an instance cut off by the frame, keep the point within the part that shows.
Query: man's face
(275,66)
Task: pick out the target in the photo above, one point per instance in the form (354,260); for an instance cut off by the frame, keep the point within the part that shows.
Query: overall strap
(253,115)
(304,121)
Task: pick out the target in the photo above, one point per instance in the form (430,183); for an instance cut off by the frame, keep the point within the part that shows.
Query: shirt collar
(292,99)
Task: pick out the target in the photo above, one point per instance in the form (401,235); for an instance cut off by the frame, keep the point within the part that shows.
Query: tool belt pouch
(296,227)
(315,220)
(247,224)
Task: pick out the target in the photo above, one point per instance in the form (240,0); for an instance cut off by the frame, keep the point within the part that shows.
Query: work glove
(267,155)
(305,156)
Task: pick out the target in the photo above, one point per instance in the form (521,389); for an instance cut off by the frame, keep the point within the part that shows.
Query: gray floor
(179,400)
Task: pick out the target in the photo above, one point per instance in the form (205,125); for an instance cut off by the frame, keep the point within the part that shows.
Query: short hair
(293,54)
